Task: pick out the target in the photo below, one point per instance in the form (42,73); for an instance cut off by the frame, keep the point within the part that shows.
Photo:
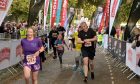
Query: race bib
(54,34)
(30,59)
(60,47)
(88,44)
(60,32)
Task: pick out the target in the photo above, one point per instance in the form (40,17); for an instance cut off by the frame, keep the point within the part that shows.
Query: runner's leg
(35,77)
(27,72)
(60,53)
(91,63)
(85,61)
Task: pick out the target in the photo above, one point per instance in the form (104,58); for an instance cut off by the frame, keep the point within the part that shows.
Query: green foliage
(89,6)
(123,12)
(19,9)
(88,10)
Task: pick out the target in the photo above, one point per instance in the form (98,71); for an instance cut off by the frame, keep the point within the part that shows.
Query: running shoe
(85,79)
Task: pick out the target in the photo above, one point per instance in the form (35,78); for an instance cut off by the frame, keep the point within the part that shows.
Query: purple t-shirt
(30,47)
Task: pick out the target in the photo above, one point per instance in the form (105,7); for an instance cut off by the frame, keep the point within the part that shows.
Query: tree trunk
(34,10)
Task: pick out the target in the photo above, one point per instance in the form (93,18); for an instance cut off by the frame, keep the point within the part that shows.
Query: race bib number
(31,59)
(88,44)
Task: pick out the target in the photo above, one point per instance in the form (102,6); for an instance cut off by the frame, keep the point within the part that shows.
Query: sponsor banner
(4,7)
(16,52)
(137,60)
(113,10)
(59,11)
(54,11)
(46,11)
(4,54)
(64,12)
(130,57)
(10,52)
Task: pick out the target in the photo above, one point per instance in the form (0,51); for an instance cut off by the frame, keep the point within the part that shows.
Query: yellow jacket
(78,46)
(23,33)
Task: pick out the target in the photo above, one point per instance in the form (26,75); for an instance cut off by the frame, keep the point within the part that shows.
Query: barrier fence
(10,52)
(124,55)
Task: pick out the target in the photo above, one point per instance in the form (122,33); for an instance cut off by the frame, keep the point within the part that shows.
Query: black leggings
(60,54)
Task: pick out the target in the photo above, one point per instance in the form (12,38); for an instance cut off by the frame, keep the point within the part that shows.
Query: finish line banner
(4,7)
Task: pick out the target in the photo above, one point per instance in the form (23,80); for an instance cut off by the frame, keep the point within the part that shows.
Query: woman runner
(31,47)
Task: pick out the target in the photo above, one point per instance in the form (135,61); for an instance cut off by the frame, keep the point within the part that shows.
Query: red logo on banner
(54,10)
(114,8)
(18,50)
(3,4)
(4,54)
(130,55)
(64,12)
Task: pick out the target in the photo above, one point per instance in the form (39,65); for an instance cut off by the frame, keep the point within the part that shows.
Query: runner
(59,44)
(53,37)
(71,38)
(61,30)
(87,37)
(32,47)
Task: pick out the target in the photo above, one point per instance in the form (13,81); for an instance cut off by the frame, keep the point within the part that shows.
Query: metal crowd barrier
(117,54)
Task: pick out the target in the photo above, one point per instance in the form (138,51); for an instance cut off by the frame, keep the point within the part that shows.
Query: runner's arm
(79,41)
(91,40)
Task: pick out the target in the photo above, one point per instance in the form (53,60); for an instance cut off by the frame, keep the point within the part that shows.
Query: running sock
(92,75)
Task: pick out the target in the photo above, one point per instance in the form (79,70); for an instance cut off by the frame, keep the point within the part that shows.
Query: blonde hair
(34,31)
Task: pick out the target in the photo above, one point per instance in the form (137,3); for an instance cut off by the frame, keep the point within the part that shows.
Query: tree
(34,10)
(123,11)
(19,10)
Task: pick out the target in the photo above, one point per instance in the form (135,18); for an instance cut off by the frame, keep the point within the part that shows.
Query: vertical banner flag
(113,10)
(64,12)
(46,11)
(54,10)
(50,12)
(105,17)
(58,11)
(107,13)
(40,16)
(4,7)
